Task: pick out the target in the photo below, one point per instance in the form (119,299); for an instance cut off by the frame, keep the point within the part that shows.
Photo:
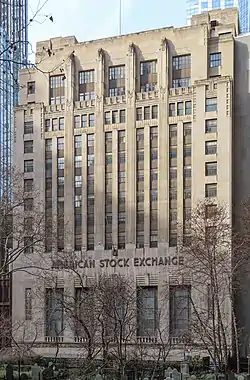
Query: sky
(92,19)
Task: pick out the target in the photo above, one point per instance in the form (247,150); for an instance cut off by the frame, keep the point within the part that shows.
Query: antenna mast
(120,17)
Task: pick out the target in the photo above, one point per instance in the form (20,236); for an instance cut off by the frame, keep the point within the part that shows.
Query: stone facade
(67,58)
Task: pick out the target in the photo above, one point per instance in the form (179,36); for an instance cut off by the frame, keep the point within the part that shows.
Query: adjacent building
(198,6)
(241,169)
(123,137)
(14,54)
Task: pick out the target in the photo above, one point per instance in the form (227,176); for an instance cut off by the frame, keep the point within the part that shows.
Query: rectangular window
(179,310)
(147,311)
(60,163)
(139,113)
(91,120)
(187,172)
(147,113)
(211,126)
(211,147)
(115,117)
(173,132)
(154,112)
(148,78)
(107,119)
(28,204)
(47,125)
(28,166)
(48,145)
(28,146)
(180,109)
(211,190)
(54,312)
(210,168)
(211,104)
(182,62)
(122,116)
(172,110)
(86,85)
(61,124)
(116,80)
(211,211)
(148,67)
(181,71)
(215,60)
(54,124)
(28,244)
(31,88)
(28,185)
(87,76)
(188,108)
(60,143)
(181,83)
(187,151)
(57,89)
(28,127)
(84,121)
(28,304)
(117,72)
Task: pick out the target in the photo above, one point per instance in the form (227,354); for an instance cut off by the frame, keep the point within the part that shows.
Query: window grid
(60,193)
(87,85)
(153,239)
(147,311)
(90,192)
(173,133)
(215,60)
(78,191)
(148,78)
(211,104)
(28,304)
(57,89)
(181,71)
(116,80)
(140,188)
(179,310)
(54,322)
(121,189)
(108,191)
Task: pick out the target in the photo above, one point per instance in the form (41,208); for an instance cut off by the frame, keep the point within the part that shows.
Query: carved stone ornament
(130,94)
(101,54)
(69,103)
(131,48)
(164,43)
(163,90)
(98,98)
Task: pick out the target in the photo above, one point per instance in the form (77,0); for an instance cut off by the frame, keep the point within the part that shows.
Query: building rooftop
(223,17)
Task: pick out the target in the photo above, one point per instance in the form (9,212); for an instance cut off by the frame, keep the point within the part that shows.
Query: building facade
(198,6)
(241,162)
(117,138)
(14,55)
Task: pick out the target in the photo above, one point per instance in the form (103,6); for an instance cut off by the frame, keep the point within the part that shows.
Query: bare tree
(22,229)
(209,253)
(116,300)
(21,349)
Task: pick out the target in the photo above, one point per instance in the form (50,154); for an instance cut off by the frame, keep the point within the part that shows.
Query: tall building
(123,137)
(241,168)
(198,6)
(14,56)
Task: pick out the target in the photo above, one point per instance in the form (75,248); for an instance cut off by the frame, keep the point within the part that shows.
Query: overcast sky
(91,19)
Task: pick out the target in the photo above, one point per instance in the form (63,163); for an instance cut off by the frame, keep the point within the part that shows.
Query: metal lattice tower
(13,57)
